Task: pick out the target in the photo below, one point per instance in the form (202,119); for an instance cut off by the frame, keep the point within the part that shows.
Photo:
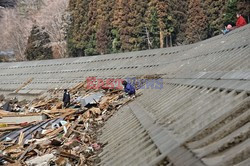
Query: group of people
(239,23)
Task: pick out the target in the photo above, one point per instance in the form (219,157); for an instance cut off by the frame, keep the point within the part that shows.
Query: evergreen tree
(120,23)
(136,25)
(162,11)
(111,26)
(38,45)
(215,10)
(103,24)
(152,28)
(160,23)
(77,36)
(178,10)
(90,39)
(116,43)
(129,22)
(231,10)
(196,23)
(103,39)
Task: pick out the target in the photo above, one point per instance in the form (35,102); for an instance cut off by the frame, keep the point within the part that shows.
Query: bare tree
(14,31)
(53,17)
(16,24)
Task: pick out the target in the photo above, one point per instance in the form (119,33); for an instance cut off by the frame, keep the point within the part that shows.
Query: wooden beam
(23,85)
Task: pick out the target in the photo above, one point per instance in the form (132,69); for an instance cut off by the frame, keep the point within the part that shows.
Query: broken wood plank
(20,140)
(69,132)
(67,114)
(14,148)
(5,113)
(15,164)
(77,87)
(95,110)
(78,132)
(6,158)
(55,132)
(30,148)
(44,103)
(50,116)
(2,129)
(69,155)
(23,85)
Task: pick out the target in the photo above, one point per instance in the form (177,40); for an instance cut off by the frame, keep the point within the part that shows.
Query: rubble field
(41,132)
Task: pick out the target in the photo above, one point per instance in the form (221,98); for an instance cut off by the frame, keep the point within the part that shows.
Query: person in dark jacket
(128,88)
(66,98)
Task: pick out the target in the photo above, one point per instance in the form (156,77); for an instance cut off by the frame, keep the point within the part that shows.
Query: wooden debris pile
(67,137)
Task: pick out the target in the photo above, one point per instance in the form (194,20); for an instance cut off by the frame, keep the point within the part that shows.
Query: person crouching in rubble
(128,88)
(66,98)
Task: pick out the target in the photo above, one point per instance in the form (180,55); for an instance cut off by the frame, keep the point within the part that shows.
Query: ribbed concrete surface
(128,142)
(225,57)
(200,117)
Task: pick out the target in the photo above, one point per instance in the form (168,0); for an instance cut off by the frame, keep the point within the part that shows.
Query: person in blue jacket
(128,88)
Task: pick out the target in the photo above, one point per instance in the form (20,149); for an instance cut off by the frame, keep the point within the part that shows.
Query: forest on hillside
(111,26)
(44,29)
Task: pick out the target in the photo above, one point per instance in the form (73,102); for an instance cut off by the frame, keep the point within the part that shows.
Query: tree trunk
(166,40)
(161,38)
(148,38)
(171,41)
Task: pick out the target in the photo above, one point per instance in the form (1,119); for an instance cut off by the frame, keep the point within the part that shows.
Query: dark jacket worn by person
(66,99)
(128,88)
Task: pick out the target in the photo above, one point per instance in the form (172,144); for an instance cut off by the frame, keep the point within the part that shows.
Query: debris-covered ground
(66,136)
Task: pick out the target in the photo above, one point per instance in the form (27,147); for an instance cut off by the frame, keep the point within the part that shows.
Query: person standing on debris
(128,88)
(66,98)
(240,21)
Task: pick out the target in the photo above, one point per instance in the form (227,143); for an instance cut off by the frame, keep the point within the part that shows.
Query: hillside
(110,26)
(96,27)
(16,23)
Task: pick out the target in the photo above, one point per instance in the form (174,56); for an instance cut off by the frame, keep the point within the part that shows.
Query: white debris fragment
(40,160)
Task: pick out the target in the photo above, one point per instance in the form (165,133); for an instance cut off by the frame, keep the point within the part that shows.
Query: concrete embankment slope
(201,116)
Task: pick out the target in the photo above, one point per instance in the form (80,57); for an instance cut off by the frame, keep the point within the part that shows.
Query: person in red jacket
(240,21)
